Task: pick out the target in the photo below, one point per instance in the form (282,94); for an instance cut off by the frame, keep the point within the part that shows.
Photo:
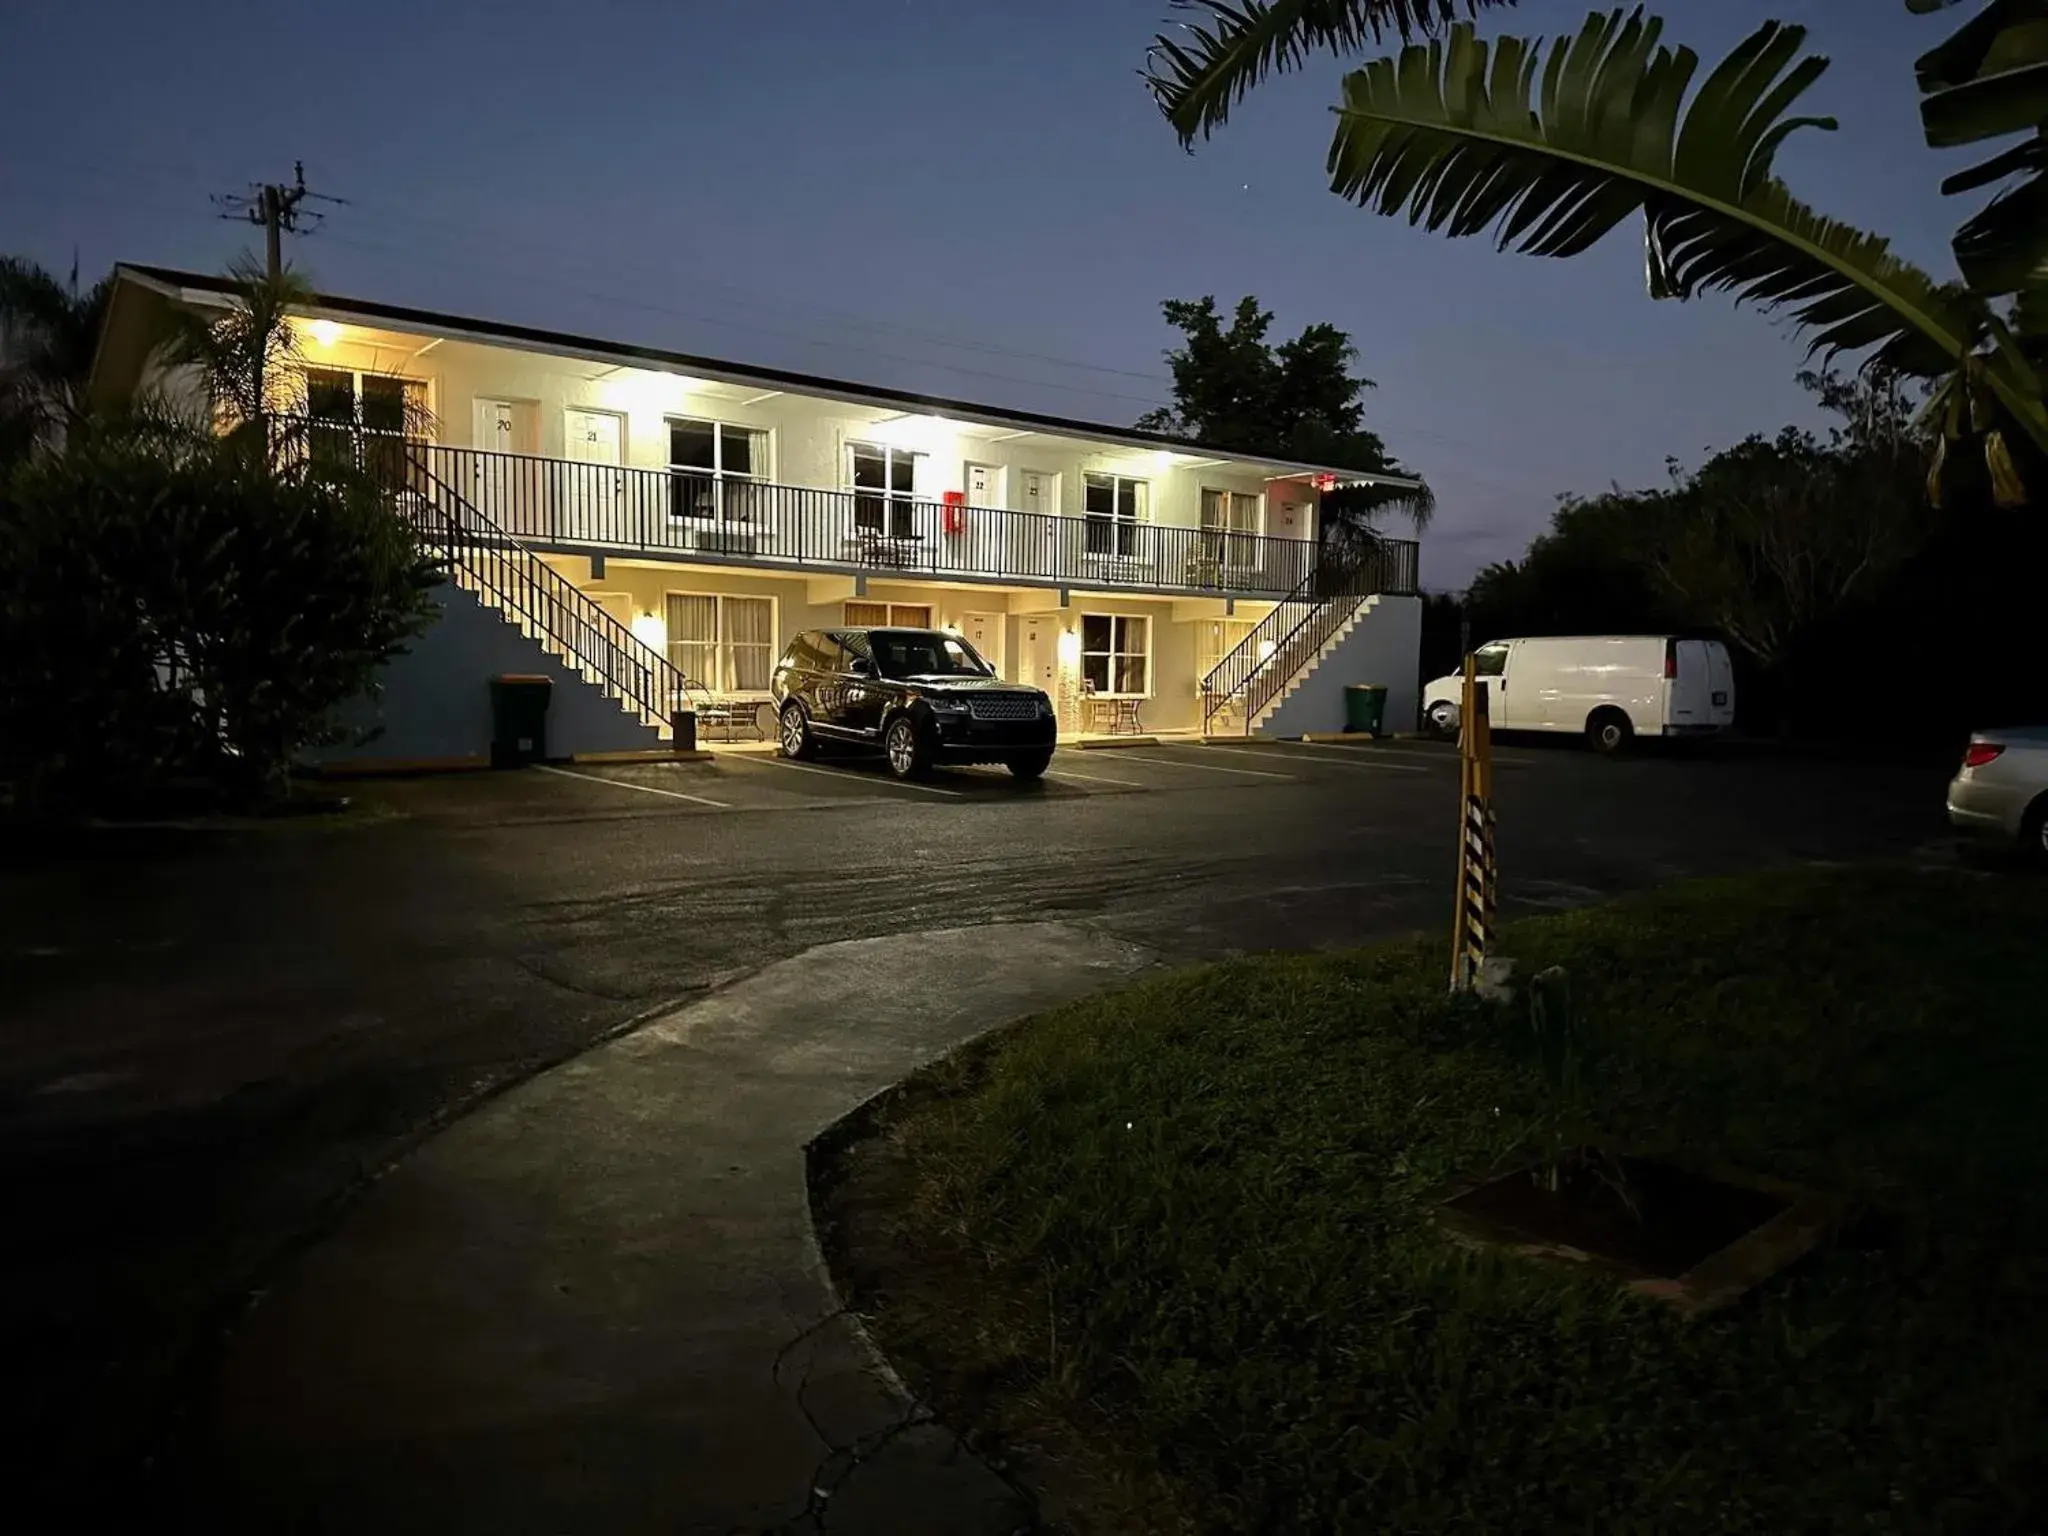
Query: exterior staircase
(1250,685)
(481,558)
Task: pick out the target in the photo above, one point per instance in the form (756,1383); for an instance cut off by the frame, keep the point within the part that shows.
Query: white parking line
(1377,767)
(835,773)
(1412,754)
(645,789)
(1091,778)
(1168,762)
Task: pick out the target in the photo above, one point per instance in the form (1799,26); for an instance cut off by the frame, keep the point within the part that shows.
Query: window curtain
(693,637)
(749,642)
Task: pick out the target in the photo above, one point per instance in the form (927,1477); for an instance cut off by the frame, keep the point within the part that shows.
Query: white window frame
(1204,662)
(1258,498)
(1116,621)
(899,506)
(724,507)
(305,366)
(720,682)
(888,614)
(1124,538)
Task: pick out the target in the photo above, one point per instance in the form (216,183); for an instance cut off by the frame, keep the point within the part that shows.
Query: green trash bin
(519,719)
(1365,707)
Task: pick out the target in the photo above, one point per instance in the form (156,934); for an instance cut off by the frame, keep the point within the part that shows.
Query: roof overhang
(203,290)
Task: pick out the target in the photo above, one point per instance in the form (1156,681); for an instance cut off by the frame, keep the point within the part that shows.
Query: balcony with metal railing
(567,506)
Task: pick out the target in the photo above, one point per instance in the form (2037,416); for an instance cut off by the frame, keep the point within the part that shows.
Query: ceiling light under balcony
(325,332)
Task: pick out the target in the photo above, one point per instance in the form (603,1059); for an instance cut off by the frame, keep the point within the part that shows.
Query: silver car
(2002,788)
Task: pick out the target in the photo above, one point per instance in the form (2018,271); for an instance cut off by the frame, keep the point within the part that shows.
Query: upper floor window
(884,484)
(358,418)
(1115,506)
(705,459)
(375,402)
(1231,513)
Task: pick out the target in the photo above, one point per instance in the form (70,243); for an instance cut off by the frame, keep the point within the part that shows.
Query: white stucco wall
(808,436)
(435,699)
(819,602)
(1386,648)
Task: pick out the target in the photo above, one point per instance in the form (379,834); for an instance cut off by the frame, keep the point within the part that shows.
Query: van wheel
(1443,720)
(793,733)
(904,744)
(1609,732)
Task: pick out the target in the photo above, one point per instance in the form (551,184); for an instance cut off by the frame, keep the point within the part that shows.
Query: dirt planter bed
(1171,1254)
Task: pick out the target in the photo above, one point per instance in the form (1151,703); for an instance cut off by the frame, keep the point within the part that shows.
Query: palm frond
(1459,136)
(242,359)
(1198,76)
(48,332)
(1989,80)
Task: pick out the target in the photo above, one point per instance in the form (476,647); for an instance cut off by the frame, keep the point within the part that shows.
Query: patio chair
(716,713)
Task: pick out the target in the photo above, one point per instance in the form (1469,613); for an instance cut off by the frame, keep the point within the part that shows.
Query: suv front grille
(1003,706)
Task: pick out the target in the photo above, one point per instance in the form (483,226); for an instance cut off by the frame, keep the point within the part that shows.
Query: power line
(840,316)
(522,275)
(1378,422)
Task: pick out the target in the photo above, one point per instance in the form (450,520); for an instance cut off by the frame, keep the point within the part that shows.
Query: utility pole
(276,207)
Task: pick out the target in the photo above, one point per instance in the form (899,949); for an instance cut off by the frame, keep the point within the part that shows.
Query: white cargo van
(1612,688)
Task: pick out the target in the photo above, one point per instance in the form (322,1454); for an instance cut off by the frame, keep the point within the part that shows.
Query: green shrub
(176,612)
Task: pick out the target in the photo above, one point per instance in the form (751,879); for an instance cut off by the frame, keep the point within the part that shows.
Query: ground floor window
(725,643)
(1116,653)
(1216,639)
(888,615)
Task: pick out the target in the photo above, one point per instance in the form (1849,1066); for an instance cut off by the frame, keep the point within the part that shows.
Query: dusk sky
(965,197)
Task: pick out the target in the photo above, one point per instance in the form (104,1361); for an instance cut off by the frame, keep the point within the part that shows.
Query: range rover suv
(917,696)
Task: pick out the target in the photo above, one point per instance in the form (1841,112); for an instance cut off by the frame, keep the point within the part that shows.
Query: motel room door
(1038,652)
(596,446)
(984,631)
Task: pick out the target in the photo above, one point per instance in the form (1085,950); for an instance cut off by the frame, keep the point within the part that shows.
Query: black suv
(919,696)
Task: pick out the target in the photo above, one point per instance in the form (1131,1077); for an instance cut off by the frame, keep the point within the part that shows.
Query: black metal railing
(483,556)
(1301,624)
(560,503)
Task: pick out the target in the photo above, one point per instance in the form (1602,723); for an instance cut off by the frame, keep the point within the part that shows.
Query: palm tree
(48,333)
(242,360)
(1550,151)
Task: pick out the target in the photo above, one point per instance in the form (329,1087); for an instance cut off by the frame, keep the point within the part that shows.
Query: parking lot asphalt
(213,1042)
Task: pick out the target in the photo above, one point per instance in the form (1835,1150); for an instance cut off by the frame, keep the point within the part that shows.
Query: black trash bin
(519,719)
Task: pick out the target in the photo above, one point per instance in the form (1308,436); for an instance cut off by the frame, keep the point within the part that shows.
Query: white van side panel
(1556,684)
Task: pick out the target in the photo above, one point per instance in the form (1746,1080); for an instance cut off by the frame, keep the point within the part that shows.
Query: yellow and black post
(1472,926)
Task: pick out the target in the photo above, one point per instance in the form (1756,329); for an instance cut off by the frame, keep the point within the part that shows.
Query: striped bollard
(1472,924)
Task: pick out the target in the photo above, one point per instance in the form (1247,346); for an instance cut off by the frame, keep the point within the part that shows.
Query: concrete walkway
(597,1305)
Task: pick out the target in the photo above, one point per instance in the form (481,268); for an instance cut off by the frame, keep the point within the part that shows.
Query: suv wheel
(793,733)
(1032,766)
(909,757)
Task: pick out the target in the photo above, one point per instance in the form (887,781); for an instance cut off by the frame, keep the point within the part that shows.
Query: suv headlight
(1045,708)
(946,706)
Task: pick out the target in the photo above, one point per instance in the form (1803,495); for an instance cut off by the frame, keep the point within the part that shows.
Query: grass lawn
(1166,1246)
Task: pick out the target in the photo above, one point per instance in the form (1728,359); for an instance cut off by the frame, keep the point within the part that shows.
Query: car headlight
(1045,708)
(947,706)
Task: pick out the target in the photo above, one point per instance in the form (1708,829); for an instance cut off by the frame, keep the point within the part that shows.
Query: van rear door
(1701,682)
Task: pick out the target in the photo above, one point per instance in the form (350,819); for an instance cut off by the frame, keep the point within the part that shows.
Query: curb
(1112,743)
